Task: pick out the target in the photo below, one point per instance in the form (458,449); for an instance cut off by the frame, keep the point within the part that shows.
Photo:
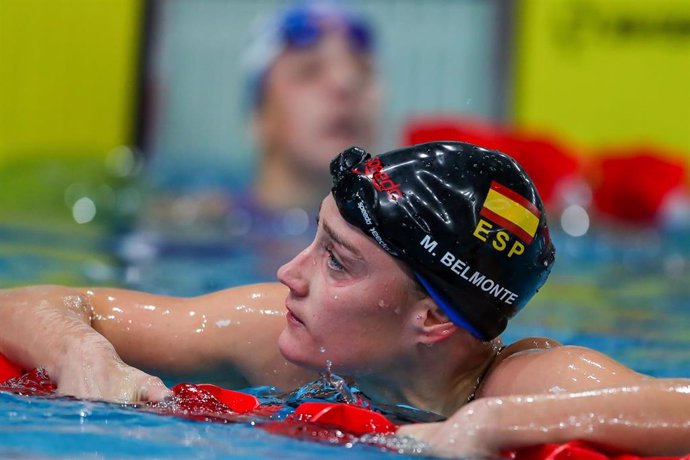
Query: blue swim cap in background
(467,220)
(299,26)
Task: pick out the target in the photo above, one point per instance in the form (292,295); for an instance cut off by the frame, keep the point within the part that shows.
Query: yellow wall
(606,72)
(67,76)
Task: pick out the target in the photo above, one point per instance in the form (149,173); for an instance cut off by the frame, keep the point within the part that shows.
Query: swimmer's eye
(333,262)
(306,68)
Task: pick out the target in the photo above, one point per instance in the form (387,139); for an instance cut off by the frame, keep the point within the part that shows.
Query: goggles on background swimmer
(303,28)
(299,27)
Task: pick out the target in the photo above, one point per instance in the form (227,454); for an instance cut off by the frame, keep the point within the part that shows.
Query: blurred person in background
(310,89)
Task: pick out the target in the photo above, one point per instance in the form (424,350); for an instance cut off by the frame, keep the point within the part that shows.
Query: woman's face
(350,305)
(319,100)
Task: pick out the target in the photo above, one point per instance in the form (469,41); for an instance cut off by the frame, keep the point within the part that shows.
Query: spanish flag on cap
(511,211)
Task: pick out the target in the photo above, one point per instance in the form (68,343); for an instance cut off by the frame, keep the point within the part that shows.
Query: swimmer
(421,257)
(313,90)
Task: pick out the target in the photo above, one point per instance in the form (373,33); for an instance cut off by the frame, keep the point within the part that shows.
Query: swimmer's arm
(49,327)
(230,331)
(560,388)
(648,418)
(82,336)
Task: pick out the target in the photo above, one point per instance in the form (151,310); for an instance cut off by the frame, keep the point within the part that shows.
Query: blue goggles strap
(448,309)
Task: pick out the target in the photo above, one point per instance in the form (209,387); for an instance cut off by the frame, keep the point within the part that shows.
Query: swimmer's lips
(292,318)
(344,128)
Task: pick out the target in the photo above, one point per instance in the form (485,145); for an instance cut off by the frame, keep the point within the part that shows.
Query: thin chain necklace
(497,348)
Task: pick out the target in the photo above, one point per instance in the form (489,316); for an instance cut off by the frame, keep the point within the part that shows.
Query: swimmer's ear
(437,326)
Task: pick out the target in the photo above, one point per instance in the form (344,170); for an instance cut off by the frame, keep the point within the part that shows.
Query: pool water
(625,293)
(34,427)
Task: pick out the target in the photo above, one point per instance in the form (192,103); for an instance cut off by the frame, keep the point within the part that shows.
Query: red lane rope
(317,421)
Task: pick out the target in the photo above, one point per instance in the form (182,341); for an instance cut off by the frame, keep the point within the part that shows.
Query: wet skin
(353,307)
(349,303)
(345,296)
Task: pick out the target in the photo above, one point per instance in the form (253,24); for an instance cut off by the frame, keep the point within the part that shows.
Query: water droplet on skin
(322,349)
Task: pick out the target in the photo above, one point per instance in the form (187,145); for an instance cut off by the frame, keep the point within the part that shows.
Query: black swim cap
(467,220)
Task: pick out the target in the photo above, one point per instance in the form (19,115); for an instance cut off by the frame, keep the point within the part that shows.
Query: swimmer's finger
(445,443)
(152,389)
(419,431)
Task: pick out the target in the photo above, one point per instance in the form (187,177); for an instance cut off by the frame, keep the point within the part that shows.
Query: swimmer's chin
(297,354)
(288,348)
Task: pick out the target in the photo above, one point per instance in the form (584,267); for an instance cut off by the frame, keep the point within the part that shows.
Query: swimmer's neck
(432,383)
(281,186)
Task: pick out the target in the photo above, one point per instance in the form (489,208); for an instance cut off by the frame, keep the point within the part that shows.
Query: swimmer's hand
(461,436)
(93,370)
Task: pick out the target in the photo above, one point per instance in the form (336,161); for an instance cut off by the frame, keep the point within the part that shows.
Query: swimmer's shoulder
(508,373)
(542,365)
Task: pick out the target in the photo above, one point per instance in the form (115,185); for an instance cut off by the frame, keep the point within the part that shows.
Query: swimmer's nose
(344,79)
(345,74)
(293,276)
